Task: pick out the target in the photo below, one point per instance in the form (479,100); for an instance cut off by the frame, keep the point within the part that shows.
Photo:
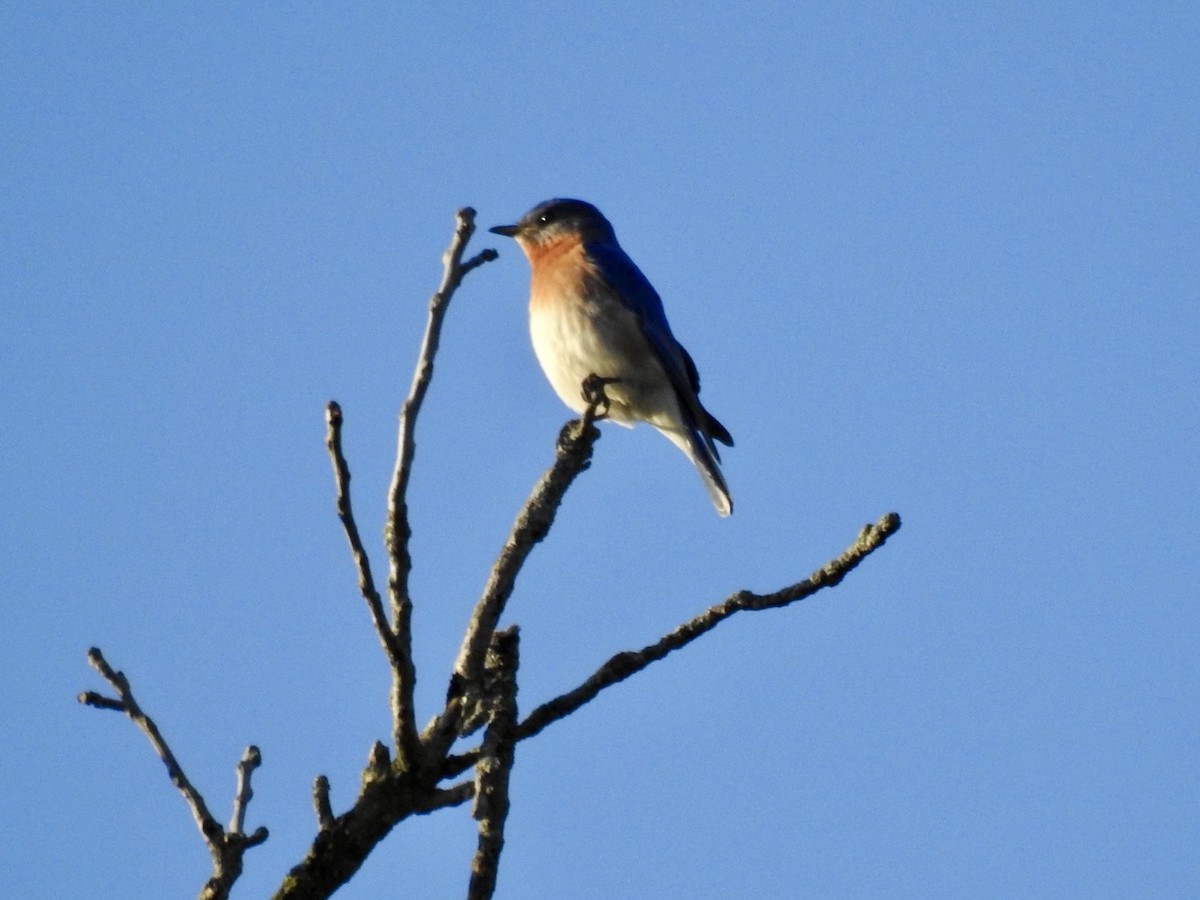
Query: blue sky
(932,258)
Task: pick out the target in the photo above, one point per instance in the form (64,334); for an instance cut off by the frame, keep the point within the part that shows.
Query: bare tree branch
(338,851)
(573,455)
(366,582)
(225,848)
(321,802)
(452,796)
(398,531)
(392,793)
(495,764)
(250,761)
(126,703)
(622,665)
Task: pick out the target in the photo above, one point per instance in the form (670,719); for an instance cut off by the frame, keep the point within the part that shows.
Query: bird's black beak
(506,230)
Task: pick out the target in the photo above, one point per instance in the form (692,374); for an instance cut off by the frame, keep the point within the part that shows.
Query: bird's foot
(594,395)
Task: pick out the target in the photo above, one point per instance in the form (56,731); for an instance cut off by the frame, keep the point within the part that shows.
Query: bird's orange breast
(559,269)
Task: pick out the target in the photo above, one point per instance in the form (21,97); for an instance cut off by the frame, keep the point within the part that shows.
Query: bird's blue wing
(627,283)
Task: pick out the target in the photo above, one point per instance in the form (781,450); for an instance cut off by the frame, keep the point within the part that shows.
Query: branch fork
(225,846)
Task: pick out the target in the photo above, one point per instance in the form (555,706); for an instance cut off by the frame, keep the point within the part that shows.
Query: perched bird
(593,312)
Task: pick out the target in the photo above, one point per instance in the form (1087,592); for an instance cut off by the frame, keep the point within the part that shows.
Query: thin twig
(366,582)
(125,702)
(250,761)
(495,763)
(398,530)
(451,796)
(225,848)
(321,803)
(624,664)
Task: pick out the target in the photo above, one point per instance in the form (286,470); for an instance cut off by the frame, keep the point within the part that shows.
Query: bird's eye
(546,218)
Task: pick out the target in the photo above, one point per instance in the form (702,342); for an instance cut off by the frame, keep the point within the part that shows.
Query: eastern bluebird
(592,312)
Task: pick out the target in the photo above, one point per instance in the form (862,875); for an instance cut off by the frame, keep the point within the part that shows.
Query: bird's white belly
(575,340)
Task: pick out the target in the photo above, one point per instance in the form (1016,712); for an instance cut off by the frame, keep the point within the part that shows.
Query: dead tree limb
(573,455)
(226,847)
(362,563)
(495,763)
(398,530)
(629,662)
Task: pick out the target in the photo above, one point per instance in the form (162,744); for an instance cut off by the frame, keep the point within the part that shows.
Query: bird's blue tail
(703,455)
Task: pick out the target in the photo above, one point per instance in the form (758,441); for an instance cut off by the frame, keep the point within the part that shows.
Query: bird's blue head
(558,218)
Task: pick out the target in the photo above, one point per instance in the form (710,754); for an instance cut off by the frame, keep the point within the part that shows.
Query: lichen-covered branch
(225,847)
(343,843)
(495,763)
(321,804)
